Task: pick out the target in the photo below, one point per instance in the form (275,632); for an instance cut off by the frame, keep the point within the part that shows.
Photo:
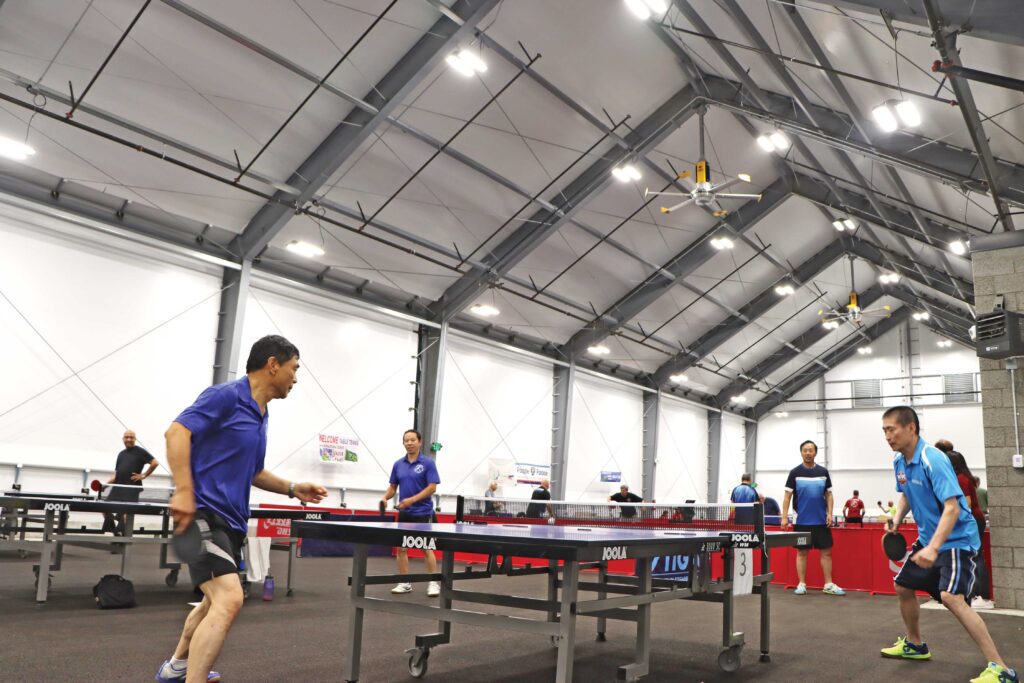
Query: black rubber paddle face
(189,544)
(895,546)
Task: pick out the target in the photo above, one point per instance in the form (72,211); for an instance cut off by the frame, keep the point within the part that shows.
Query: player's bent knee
(952,600)
(904,592)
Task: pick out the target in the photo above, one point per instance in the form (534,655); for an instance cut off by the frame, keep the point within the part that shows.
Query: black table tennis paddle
(894,546)
(383,507)
(188,545)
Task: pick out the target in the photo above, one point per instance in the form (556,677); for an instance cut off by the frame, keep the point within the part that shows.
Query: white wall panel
(682,467)
(605,435)
(355,380)
(779,439)
(496,404)
(99,335)
(734,451)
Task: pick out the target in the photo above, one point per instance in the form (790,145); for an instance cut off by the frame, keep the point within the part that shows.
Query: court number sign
(743,571)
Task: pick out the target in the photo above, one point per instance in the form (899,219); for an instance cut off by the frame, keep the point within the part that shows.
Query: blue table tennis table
(563,553)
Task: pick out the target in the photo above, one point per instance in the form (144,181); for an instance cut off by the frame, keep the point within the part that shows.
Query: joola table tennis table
(564,552)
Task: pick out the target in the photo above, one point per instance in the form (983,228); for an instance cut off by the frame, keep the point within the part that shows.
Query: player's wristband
(291,490)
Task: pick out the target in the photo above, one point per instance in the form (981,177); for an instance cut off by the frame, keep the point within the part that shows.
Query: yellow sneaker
(994,673)
(904,649)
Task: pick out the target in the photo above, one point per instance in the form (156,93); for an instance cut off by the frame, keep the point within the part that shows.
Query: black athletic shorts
(821,535)
(953,572)
(404,516)
(222,553)
(855,520)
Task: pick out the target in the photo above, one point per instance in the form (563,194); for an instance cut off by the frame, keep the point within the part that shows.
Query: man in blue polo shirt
(216,450)
(415,479)
(810,488)
(943,559)
(745,493)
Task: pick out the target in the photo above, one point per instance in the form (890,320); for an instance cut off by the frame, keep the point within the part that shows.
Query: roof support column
(433,349)
(233,296)
(652,413)
(714,453)
(561,416)
(750,448)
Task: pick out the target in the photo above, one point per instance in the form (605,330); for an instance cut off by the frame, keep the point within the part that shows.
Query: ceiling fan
(704,193)
(852,313)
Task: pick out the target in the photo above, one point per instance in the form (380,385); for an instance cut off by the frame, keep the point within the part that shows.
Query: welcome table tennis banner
(338,449)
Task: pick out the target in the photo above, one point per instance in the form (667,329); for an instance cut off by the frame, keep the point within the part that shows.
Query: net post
(460,507)
(759,521)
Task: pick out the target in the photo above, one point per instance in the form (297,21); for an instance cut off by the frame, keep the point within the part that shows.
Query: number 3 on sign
(743,571)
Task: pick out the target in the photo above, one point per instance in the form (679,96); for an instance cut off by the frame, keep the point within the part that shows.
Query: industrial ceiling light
(958,247)
(484,310)
(765,143)
(782,413)
(889,278)
(599,350)
(885,117)
(721,243)
(679,379)
(784,290)
(922,315)
(944,343)
(745,177)
(626,173)
(908,113)
(466,62)
(864,351)
(780,140)
(844,224)
(462,68)
(739,399)
(644,8)
(304,249)
(12,149)
(831,324)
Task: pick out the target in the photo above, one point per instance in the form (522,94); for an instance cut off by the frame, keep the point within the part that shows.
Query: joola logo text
(420,542)
(315,515)
(613,553)
(57,507)
(744,540)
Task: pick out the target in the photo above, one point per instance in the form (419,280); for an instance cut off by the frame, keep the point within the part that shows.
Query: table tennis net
(690,515)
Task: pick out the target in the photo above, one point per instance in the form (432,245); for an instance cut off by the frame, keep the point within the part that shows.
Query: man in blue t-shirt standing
(809,486)
(415,479)
(216,450)
(943,560)
(745,493)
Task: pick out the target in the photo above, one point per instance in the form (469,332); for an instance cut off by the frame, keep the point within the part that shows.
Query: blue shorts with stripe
(953,572)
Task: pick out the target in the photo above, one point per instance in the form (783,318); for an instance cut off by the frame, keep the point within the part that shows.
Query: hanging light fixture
(12,149)
(958,247)
(626,173)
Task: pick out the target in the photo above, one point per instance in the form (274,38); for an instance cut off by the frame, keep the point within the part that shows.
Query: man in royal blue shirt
(943,559)
(216,450)
(745,493)
(415,479)
(809,486)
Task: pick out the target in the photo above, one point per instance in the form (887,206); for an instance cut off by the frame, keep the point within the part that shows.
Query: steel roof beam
(835,355)
(682,264)
(756,307)
(917,272)
(532,232)
(410,71)
(945,42)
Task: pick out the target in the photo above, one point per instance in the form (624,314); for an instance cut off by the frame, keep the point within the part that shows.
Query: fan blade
(734,195)
(680,205)
(721,186)
(652,193)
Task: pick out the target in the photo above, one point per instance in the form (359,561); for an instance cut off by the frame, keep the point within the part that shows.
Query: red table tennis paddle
(894,546)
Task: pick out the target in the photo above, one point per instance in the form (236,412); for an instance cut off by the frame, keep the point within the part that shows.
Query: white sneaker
(981,603)
(433,589)
(402,588)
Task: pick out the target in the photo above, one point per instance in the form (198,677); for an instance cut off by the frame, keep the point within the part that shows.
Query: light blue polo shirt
(229,446)
(927,481)
(413,477)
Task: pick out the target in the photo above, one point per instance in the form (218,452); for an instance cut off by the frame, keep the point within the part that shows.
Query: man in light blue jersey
(943,559)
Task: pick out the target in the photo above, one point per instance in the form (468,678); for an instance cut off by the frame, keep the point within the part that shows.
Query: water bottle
(268,588)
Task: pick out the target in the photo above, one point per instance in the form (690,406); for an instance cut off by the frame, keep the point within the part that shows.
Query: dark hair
(959,462)
(904,415)
(746,477)
(944,445)
(273,345)
(809,442)
(856,492)
(419,437)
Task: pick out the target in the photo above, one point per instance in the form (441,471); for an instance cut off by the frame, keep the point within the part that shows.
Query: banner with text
(338,449)
(531,474)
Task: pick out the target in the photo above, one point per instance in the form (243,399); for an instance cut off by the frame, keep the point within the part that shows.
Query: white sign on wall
(531,474)
(338,449)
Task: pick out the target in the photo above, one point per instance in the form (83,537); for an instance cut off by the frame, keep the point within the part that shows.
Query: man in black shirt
(127,472)
(624,496)
(540,493)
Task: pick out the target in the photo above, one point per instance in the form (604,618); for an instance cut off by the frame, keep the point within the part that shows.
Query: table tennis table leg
(355,616)
(552,590)
(45,555)
(293,548)
(567,622)
(641,667)
(766,619)
(126,548)
(602,579)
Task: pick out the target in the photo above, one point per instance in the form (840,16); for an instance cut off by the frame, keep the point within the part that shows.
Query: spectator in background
(624,496)
(981,598)
(127,473)
(542,492)
(853,510)
(745,493)
(982,495)
(772,511)
(888,511)
(490,507)
(809,486)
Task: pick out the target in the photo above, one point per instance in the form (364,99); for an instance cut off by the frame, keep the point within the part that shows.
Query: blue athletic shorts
(953,572)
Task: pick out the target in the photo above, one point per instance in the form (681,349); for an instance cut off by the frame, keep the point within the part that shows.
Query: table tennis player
(216,450)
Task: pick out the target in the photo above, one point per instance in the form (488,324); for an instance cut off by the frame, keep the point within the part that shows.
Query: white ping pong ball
(551,520)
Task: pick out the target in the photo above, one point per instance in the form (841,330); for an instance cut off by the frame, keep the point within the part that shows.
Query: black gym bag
(114,592)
